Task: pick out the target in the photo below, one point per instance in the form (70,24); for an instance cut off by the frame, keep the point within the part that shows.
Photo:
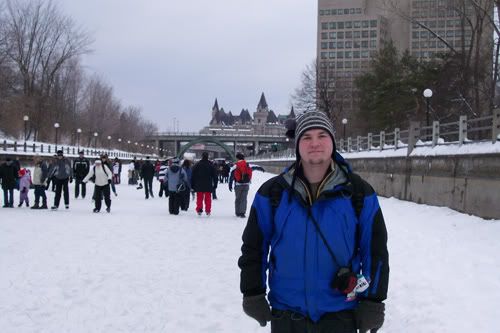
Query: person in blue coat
(315,242)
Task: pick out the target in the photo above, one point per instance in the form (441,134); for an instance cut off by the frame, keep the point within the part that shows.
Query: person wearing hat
(81,167)
(175,183)
(101,176)
(240,174)
(61,174)
(203,181)
(316,233)
(147,174)
(8,176)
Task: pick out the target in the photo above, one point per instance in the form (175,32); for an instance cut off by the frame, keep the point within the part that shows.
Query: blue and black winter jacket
(282,247)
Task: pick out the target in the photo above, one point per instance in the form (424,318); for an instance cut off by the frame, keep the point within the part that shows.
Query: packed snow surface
(139,269)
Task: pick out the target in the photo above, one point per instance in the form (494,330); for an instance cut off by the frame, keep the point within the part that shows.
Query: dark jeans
(174,202)
(100,192)
(61,186)
(148,187)
(335,322)
(40,193)
(8,197)
(78,183)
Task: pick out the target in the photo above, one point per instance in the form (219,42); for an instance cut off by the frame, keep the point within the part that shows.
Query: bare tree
(42,41)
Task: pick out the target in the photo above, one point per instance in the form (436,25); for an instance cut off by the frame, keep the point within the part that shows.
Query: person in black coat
(8,176)
(148,173)
(204,182)
(81,167)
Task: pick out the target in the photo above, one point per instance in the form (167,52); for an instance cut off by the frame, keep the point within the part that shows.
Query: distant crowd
(179,181)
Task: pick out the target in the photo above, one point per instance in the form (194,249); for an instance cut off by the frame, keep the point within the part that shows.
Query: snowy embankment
(140,269)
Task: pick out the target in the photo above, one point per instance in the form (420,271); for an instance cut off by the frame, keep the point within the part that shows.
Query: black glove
(258,308)
(369,316)
(109,181)
(230,189)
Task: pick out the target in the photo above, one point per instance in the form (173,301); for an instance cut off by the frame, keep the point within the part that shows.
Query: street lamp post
(78,133)
(427,95)
(109,143)
(26,119)
(344,123)
(56,126)
(95,141)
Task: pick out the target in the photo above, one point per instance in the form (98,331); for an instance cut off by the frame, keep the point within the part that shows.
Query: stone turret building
(263,122)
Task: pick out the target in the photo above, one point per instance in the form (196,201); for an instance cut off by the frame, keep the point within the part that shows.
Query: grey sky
(173,58)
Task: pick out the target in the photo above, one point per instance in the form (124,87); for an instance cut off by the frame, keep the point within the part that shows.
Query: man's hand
(258,308)
(370,316)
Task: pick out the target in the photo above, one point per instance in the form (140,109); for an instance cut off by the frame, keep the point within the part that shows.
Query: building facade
(263,122)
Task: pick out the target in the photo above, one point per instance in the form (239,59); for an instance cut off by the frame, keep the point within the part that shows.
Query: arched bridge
(182,141)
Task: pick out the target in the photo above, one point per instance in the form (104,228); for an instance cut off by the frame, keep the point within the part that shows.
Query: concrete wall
(467,183)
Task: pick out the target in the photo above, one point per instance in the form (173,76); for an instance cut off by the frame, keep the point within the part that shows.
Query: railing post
(15,145)
(382,140)
(358,143)
(34,148)
(370,141)
(25,146)
(49,148)
(397,136)
(413,136)
(4,145)
(349,144)
(435,133)
(495,136)
(462,130)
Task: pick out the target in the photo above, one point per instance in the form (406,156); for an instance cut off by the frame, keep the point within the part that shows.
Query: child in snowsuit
(24,187)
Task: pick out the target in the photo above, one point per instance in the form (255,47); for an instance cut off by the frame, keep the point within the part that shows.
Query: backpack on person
(243,173)
(92,179)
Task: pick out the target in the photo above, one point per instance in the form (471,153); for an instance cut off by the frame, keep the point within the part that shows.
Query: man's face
(315,147)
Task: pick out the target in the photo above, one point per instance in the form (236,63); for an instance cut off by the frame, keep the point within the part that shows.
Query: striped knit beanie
(312,120)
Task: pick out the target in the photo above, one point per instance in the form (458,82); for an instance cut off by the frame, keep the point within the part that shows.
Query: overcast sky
(173,58)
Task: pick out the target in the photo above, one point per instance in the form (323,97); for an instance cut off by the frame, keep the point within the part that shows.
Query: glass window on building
(373,23)
(364,44)
(450,23)
(358,11)
(321,12)
(355,54)
(356,44)
(364,33)
(340,55)
(324,55)
(334,12)
(333,45)
(424,34)
(348,54)
(348,24)
(356,34)
(467,42)
(365,24)
(340,25)
(458,33)
(324,35)
(432,24)
(333,25)
(373,33)
(440,45)
(415,54)
(340,64)
(364,54)
(355,64)
(331,55)
(441,33)
(327,11)
(340,35)
(324,45)
(351,11)
(441,23)
(348,35)
(423,45)
(324,25)
(340,45)
(333,35)
(458,42)
(432,43)
(346,11)
(357,24)
(348,64)
(331,64)
(415,34)
(373,43)
(450,33)
(415,45)
(415,25)
(348,44)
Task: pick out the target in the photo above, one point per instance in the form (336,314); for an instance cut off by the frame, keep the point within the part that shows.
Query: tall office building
(351,32)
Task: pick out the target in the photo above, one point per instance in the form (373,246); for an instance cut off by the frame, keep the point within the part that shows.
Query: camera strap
(318,229)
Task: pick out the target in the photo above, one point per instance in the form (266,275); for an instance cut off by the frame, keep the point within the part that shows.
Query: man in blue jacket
(317,236)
